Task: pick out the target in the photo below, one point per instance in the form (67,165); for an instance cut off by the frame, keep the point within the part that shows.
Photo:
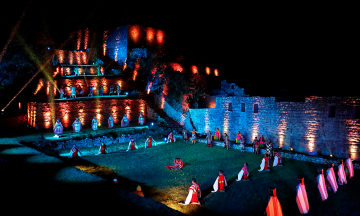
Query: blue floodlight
(152,123)
(165,139)
(48,48)
(126,93)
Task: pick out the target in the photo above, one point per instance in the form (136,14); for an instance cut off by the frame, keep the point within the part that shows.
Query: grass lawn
(146,167)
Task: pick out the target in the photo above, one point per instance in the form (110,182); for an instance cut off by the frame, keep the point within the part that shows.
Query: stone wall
(13,121)
(43,115)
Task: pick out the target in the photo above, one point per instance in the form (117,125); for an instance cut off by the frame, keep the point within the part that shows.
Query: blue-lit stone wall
(116,44)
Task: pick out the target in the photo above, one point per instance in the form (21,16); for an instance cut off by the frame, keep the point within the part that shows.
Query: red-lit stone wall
(41,113)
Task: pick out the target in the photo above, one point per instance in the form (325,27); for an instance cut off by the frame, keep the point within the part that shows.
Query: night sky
(298,48)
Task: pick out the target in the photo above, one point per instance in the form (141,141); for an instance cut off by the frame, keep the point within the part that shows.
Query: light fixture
(291,149)
(152,123)
(331,155)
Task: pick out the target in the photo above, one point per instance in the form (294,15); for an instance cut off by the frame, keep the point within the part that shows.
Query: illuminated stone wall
(85,111)
(115,44)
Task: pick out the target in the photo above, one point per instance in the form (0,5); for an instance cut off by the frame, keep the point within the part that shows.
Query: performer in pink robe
(217,134)
(238,137)
(141,119)
(149,141)
(301,197)
(349,166)
(58,128)
(341,173)
(178,165)
(277,159)
(94,123)
(171,138)
(331,178)
(75,152)
(110,121)
(132,145)
(194,194)
(321,184)
(125,122)
(273,208)
(220,183)
(262,141)
(244,173)
(77,125)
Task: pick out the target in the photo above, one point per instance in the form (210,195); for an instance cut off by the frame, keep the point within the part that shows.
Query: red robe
(266,163)
(150,142)
(221,182)
(274,208)
(132,146)
(194,188)
(246,172)
(178,165)
(302,199)
(171,138)
(102,150)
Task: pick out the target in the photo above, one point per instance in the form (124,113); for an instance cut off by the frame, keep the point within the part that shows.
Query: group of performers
(74,91)
(77,125)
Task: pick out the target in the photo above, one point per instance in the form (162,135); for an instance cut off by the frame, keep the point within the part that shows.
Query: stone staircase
(161,114)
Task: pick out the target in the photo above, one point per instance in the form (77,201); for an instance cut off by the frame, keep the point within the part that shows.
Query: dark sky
(294,47)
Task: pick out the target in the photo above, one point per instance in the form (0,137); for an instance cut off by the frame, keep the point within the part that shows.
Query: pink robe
(322,187)
(302,199)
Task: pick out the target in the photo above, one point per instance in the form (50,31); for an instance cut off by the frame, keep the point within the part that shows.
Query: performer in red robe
(132,145)
(244,173)
(220,183)
(149,141)
(58,128)
(217,134)
(331,178)
(102,149)
(349,166)
(171,138)
(277,159)
(265,164)
(341,173)
(77,125)
(194,194)
(111,122)
(301,197)
(75,152)
(321,184)
(178,165)
(273,208)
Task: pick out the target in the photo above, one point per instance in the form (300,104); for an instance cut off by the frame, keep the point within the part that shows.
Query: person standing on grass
(242,143)
(220,183)
(77,125)
(209,139)
(269,149)
(185,135)
(301,197)
(58,128)
(262,141)
(94,123)
(111,121)
(226,141)
(256,146)
(273,208)
(194,194)
(193,136)
(238,137)
(125,122)
(217,134)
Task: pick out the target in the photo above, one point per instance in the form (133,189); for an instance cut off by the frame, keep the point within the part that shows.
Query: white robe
(216,184)
(188,198)
(240,175)
(262,165)
(275,161)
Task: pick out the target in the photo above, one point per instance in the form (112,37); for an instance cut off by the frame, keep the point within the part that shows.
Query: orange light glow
(207,70)
(80,71)
(71,57)
(135,32)
(55,82)
(102,70)
(216,72)
(78,57)
(61,56)
(62,71)
(105,41)
(68,73)
(148,90)
(78,39)
(176,67)
(150,34)
(56,72)
(92,71)
(47,87)
(84,58)
(160,36)
(124,66)
(194,69)
(38,86)
(136,68)
(86,38)
(19,106)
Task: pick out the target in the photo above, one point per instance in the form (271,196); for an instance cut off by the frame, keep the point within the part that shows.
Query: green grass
(147,168)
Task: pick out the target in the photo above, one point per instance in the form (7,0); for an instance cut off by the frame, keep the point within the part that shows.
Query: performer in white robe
(350,167)
(125,122)
(264,164)
(220,183)
(141,119)
(94,123)
(194,194)
(111,122)
(277,159)
(58,128)
(301,197)
(331,178)
(77,125)
(321,184)
(132,145)
(341,173)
